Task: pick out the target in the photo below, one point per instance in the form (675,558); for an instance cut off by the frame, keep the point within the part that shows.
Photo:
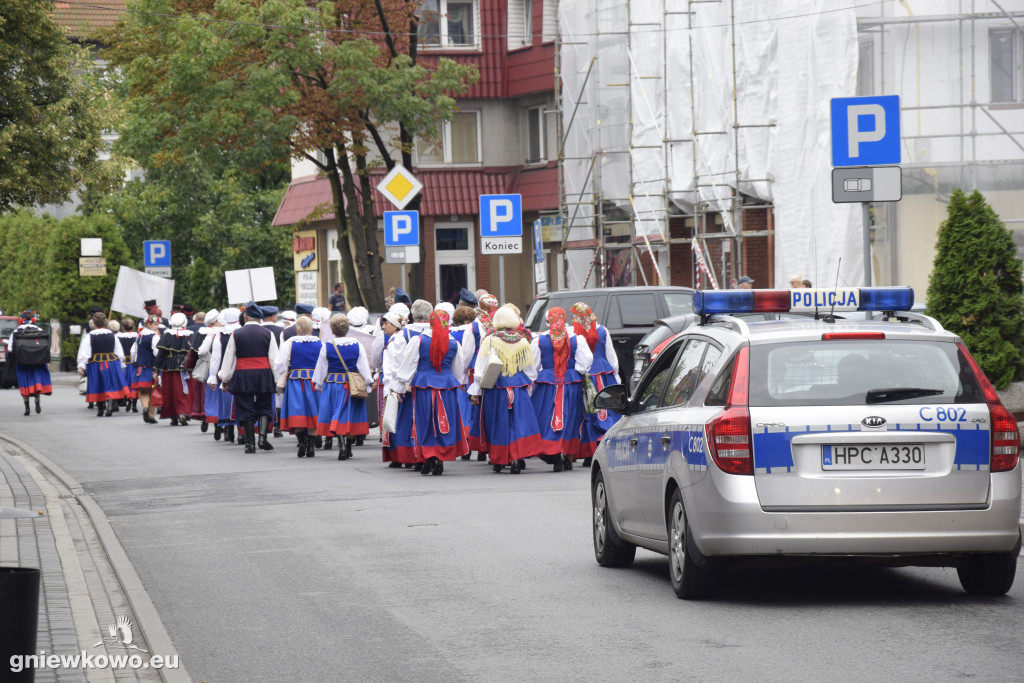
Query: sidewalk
(87,582)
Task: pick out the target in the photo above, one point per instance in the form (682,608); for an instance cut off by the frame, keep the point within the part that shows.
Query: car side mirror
(614,397)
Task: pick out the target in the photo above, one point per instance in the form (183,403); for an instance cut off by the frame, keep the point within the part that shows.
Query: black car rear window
(637,310)
(860,372)
(537,321)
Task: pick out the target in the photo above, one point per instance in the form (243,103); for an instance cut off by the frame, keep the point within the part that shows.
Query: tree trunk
(358,235)
(375,297)
(352,293)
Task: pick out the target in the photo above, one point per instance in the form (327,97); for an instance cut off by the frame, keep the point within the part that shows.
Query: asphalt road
(270,568)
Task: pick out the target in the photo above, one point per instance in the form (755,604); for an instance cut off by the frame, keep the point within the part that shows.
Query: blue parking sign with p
(156,253)
(401,228)
(501,215)
(866,131)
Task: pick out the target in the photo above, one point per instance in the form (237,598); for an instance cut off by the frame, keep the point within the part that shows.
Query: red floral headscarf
(584,323)
(28,316)
(488,306)
(559,339)
(439,322)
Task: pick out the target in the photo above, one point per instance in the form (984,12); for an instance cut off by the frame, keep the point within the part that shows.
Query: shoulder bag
(356,383)
(492,370)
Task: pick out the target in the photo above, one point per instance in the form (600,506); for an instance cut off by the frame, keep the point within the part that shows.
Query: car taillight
(1005,436)
(834,336)
(728,435)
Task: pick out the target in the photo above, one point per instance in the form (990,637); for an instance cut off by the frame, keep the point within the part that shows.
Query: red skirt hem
(36,389)
(406,455)
(342,428)
(103,396)
(298,422)
(526,447)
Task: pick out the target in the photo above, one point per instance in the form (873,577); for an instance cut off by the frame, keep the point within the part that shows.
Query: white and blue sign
(866,131)
(538,242)
(501,215)
(156,253)
(401,228)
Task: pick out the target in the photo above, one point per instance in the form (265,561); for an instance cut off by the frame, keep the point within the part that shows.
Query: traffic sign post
(156,257)
(402,238)
(501,229)
(866,134)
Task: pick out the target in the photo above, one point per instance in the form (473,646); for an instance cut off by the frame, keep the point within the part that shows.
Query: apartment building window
(550,27)
(1005,64)
(535,135)
(520,24)
(449,24)
(459,141)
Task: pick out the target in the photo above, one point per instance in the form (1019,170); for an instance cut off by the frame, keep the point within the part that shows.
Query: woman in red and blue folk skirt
(126,337)
(462,332)
(300,402)
(431,364)
(174,379)
(508,422)
(101,362)
(340,414)
(486,308)
(143,356)
(28,349)
(604,371)
(560,358)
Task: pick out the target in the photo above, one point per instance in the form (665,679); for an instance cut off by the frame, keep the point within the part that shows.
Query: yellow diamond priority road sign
(400,186)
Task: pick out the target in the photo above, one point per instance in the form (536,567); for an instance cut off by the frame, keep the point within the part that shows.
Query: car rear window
(679,303)
(7,327)
(537,322)
(637,310)
(860,372)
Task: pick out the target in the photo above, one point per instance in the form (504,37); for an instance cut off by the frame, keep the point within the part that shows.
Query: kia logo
(873,421)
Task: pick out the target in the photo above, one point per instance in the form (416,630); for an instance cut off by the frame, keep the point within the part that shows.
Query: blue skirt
(33,379)
(225,407)
(509,427)
(339,413)
(438,423)
(403,442)
(141,377)
(210,403)
(105,381)
(560,419)
(300,406)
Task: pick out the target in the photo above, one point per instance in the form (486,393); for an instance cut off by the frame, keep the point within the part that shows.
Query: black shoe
(438,468)
(360,439)
(516,467)
(394,465)
(277,432)
(568,463)
(250,438)
(319,441)
(428,466)
(464,457)
(302,445)
(218,431)
(522,464)
(497,468)
(480,457)
(348,447)
(328,443)
(559,463)
(418,467)
(310,446)
(100,410)
(342,454)
(229,433)
(27,411)
(204,426)
(135,405)
(409,465)
(587,461)
(264,430)
(39,408)
(146,418)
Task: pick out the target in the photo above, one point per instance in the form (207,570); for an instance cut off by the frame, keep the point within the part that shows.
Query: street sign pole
(866,208)
(501,278)
(404,286)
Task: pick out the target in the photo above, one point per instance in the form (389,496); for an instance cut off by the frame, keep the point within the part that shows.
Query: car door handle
(633,443)
(666,441)
(622,340)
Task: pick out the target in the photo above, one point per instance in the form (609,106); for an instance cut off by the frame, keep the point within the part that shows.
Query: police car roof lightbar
(726,301)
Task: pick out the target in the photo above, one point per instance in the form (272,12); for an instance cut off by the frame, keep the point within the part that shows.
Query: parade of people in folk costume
(443,381)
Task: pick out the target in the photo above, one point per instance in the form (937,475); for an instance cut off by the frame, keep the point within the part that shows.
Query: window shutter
(517,32)
(550,29)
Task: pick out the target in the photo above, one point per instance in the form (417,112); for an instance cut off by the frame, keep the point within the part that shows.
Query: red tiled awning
(446,192)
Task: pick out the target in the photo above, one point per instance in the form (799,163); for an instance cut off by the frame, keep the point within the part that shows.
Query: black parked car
(627,312)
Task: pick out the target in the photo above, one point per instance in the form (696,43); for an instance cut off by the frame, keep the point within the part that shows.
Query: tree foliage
(975,289)
(50,127)
(40,256)
(257,82)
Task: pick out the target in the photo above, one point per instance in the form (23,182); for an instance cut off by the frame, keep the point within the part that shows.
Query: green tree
(50,128)
(975,289)
(263,81)
(25,242)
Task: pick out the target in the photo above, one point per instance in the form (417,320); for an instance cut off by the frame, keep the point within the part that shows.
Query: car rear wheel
(690,581)
(609,549)
(989,573)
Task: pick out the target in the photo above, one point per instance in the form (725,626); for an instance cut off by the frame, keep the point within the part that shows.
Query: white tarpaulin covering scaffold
(653,127)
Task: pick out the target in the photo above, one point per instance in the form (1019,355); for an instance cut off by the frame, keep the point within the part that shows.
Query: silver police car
(874,440)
